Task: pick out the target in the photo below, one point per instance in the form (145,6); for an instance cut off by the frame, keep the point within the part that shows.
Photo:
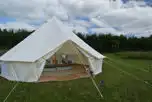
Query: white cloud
(17,25)
(27,12)
(100,23)
(77,27)
(106,31)
(83,7)
(80,29)
(82,23)
(32,10)
(137,20)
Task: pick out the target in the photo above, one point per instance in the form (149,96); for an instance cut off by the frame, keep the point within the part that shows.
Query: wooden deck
(76,72)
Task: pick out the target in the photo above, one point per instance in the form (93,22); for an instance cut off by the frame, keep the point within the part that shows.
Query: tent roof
(45,39)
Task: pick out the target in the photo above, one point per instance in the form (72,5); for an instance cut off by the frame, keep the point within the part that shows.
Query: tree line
(100,42)
(9,38)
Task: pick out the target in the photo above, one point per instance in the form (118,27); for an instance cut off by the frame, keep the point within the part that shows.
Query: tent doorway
(65,64)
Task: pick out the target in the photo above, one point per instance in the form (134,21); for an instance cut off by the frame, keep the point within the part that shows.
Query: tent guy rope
(96,87)
(10,92)
(94,83)
(127,64)
(133,76)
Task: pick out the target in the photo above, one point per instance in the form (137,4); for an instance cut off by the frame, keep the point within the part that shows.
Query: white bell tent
(26,62)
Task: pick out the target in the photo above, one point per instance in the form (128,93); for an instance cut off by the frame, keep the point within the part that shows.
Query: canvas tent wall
(25,61)
(70,49)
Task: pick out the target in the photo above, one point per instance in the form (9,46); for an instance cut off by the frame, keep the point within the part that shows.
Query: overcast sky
(83,15)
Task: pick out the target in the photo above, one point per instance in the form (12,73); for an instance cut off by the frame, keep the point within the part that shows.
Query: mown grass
(135,55)
(119,86)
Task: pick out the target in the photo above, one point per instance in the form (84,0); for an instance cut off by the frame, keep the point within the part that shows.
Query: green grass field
(125,80)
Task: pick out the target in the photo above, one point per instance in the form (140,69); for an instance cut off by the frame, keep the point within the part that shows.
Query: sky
(93,16)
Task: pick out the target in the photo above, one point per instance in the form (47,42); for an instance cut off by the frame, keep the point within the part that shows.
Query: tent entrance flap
(65,64)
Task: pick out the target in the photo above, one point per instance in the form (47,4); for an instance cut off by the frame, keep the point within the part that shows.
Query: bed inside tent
(67,63)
